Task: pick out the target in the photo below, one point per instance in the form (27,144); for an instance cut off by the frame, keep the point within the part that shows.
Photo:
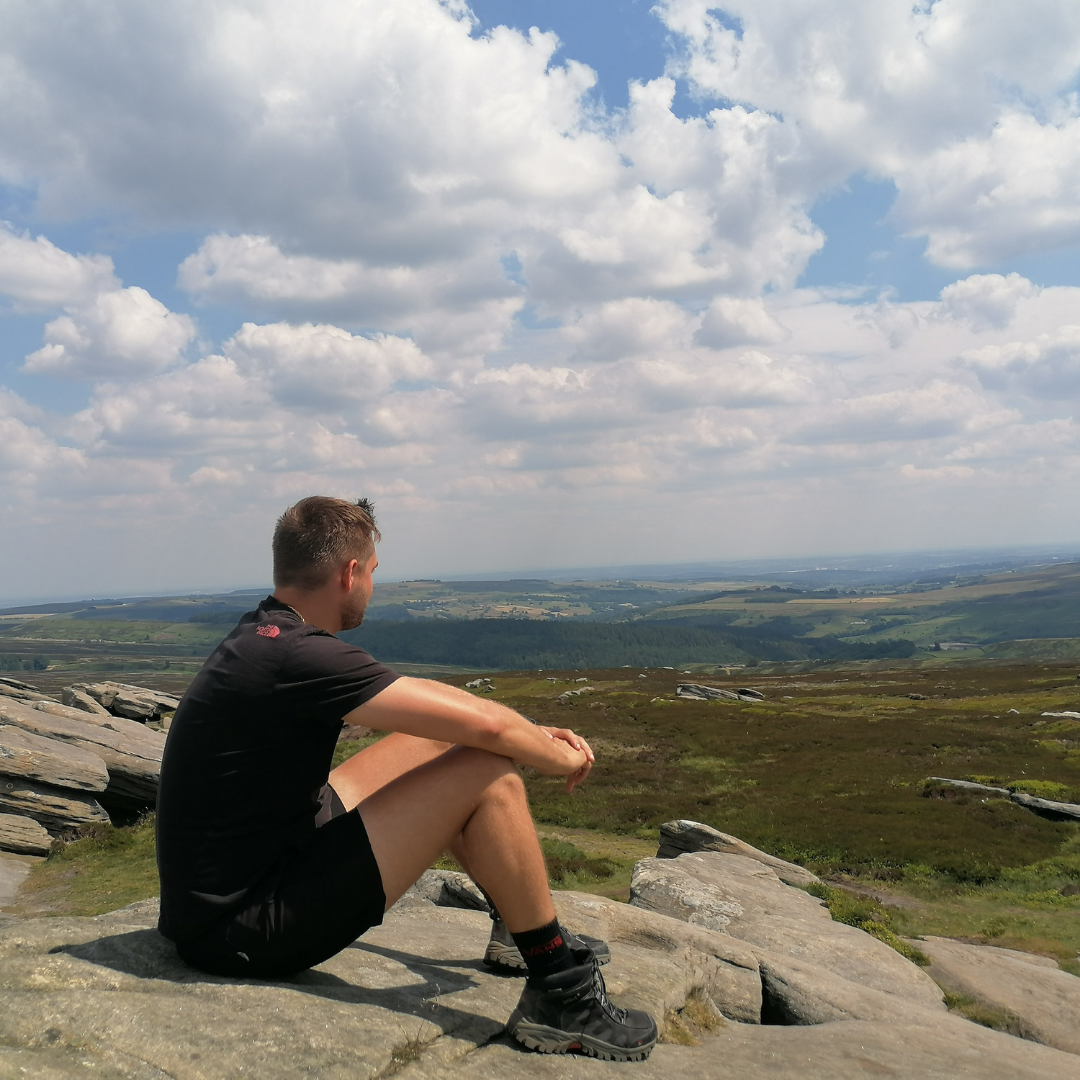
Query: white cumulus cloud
(1048,367)
(955,101)
(985,300)
(324,366)
(120,334)
(445,275)
(39,276)
(732,320)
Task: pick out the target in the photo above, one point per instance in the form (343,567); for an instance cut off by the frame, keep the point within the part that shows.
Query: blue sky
(795,278)
(621,40)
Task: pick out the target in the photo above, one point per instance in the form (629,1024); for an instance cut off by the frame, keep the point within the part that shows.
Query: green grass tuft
(1043,789)
(979,1012)
(868,915)
(569,867)
(104,868)
(350,747)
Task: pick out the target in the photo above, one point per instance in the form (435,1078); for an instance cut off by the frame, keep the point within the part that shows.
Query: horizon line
(687,570)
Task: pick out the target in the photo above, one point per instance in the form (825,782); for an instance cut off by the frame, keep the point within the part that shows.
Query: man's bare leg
(472,802)
(376,765)
(459,797)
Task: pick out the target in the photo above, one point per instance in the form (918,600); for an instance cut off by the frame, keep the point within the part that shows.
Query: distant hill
(514,644)
(530,623)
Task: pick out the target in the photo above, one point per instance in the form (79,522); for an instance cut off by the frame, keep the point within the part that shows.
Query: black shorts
(325,899)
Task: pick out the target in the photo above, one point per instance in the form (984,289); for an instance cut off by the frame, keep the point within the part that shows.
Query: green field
(826,770)
(1025,614)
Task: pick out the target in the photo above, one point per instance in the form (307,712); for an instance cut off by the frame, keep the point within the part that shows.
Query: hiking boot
(502,953)
(570,1010)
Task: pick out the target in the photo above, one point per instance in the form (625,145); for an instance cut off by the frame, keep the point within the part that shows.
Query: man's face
(356,602)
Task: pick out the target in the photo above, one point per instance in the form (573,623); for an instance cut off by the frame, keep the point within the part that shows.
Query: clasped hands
(577,743)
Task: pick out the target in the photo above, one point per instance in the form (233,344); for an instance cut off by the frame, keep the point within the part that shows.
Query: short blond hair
(317,535)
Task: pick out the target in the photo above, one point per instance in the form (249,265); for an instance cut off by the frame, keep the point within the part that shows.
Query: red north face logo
(268,631)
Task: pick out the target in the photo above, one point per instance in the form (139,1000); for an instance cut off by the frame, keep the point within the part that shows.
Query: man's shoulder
(311,647)
(272,648)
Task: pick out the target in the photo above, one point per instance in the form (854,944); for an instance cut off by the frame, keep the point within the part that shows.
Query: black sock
(494,912)
(544,949)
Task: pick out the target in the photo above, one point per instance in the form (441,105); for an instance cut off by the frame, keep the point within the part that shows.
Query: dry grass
(106,868)
(695,1020)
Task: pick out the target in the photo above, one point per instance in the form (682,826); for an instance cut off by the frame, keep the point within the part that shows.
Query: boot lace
(615,1014)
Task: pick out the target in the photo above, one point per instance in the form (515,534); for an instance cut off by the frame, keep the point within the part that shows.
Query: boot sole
(509,957)
(506,957)
(548,1040)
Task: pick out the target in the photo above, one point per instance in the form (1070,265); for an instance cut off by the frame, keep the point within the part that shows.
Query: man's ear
(348,572)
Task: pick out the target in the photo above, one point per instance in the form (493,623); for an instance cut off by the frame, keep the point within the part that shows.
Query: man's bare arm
(433,710)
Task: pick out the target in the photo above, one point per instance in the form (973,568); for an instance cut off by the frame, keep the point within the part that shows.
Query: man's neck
(313,607)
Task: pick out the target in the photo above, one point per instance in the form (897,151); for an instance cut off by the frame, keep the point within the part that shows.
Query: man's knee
(508,788)
(499,773)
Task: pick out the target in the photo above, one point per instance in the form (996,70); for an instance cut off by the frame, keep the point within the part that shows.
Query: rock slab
(679,837)
(107,997)
(49,761)
(131,751)
(1048,808)
(1045,999)
(55,808)
(23,835)
(813,970)
(20,691)
(77,699)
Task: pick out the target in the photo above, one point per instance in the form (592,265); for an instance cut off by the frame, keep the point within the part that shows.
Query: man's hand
(578,743)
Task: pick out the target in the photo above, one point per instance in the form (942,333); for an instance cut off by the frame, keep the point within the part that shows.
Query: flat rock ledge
(682,836)
(1047,808)
(1041,1000)
(62,768)
(107,997)
(23,836)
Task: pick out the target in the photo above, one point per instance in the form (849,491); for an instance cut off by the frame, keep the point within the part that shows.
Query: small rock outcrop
(131,751)
(445,888)
(566,695)
(679,837)
(1047,808)
(699,692)
(1042,1000)
(122,699)
(813,970)
(62,767)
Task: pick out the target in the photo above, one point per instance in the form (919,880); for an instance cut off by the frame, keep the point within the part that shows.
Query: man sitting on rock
(271,863)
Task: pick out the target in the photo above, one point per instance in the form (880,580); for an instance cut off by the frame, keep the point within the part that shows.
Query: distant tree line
(511,644)
(225,616)
(19,663)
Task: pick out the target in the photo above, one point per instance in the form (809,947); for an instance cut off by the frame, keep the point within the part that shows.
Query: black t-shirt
(248,752)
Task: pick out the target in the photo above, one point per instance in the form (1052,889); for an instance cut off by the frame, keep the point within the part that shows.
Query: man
(270,863)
